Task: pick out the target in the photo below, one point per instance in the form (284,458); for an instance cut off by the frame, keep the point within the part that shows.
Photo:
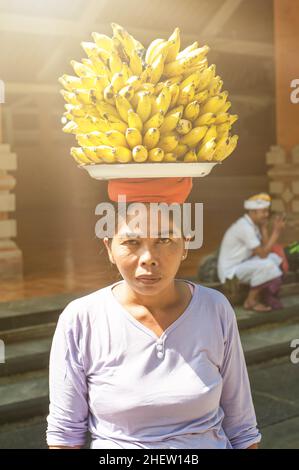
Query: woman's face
(147,264)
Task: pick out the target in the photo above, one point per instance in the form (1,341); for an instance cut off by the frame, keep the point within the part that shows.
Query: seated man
(245,252)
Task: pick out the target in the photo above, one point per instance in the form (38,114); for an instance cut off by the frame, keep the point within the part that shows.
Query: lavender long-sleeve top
(113,376)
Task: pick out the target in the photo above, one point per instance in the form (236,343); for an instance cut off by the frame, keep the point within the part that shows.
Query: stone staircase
(27,328)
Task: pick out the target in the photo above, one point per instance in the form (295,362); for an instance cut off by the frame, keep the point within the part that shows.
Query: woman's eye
(130,242)
(165,240)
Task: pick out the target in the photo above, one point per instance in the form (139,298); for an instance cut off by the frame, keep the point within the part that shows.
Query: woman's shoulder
(83,308)
(213,302)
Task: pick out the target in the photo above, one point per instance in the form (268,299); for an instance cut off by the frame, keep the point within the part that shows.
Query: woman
(150,361)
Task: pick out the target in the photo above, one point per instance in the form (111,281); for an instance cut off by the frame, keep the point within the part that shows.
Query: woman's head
(153,247)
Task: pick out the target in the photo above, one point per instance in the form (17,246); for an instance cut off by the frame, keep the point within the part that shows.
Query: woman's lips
(148,280)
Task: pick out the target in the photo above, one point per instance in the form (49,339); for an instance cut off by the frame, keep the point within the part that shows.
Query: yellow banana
(180,150)
(156,155)
(233,118)
(134,81)
(214,104)
(83,140)
(78,154)
(103,41)
(205,119)
(104,108)
(162,102)
(169,157)
(82,70)
(118,81)
(170,122)
(201,96)
(168,142)
(135,63)
(151,138)
(90,48)
(155,121)
(96,138)
(225,107)
(85,96)
(210,134)
(86,124)
(232,144)
(183,64)
(127,91)
(184,127)
(215,86)
(70,97)
(126,71)
(123,154)
(186,94)
(206,75)
(157,69)
(221,118)
(91,153)
(108,94)
(71,83)
(115,63)
(194,136)
(186,51)
(175,91)
(221,148)
(122,106)
(152,50)
(106,153)
(193,78)
(149,87)
(140,154)
(190,156)
(144,106)
(133,137)
(191,111)
(97,66)
(116,138)
(206,151)
(174,48)
(223,129)
(134,120)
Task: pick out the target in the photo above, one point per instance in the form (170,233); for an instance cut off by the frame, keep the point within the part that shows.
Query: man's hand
(279,223)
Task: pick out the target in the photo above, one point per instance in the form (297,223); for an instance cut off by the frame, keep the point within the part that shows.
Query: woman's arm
(239,422)
(68,412)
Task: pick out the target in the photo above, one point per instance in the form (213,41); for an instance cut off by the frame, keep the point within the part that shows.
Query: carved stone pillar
(10,254)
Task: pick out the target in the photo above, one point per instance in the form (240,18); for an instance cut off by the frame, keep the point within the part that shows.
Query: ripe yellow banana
(91,153)
(206,151)
(152,50)
(205,119)
(134,82)
(190,156)
(213,105)
(186,51)
(83,140)
(78,154)
(135,63)
(96,138)
(201,96)
(82,70)
(232,144)
(70,97)
(210,134)
(233,118)
(194,136)
(221,118)
(215,86)
(104,108)
(116,138)
(127,91)
(175,91)
(168,142)
(115,63)
(225,107)
(206,75)
(181,65)
(169,157)
(156,155)
(103,41)
(144,106)
(223,129)
(108,94)
(221,148)
(157,69)
(174,48)
(133,137)
(106,153)
(183,127)
(151,138)
(191,111)
(122,106)
(85,96)
(155,121)
(170,122)
(186,94)
(180,150)
(123,154)
(134,120)
(161,102)
(118,81)
(139,154)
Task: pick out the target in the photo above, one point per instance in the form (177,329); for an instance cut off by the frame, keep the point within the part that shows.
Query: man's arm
(268,241)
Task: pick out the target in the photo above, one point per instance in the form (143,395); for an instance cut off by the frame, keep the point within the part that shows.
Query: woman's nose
(148,258)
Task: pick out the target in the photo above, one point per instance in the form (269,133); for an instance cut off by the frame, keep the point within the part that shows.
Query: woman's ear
(108,247)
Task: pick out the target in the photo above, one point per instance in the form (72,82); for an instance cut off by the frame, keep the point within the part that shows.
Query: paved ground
(275,387)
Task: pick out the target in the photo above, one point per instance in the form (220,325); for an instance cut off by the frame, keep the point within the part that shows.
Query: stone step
(26,356)
(266,343)
(28,333)
(23,396)
(34,311)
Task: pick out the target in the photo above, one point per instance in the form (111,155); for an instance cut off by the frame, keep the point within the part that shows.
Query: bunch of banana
(128,104)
